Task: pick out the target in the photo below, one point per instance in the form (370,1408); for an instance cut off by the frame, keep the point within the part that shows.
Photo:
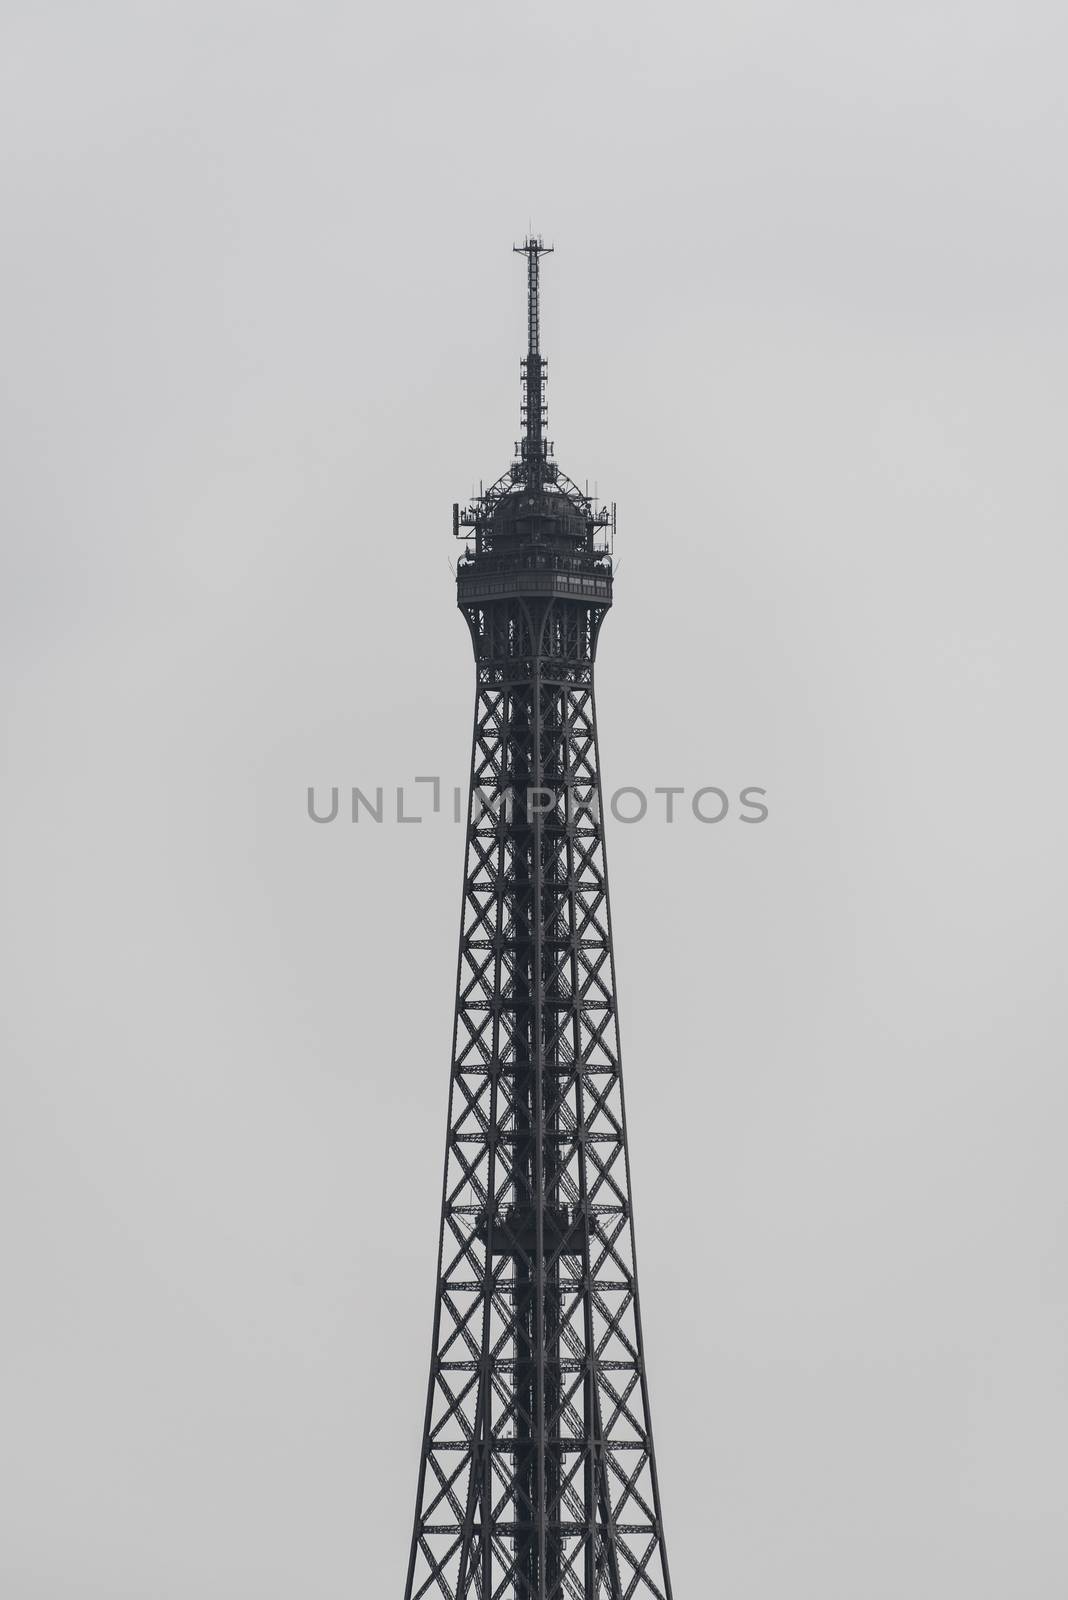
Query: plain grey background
(805,323)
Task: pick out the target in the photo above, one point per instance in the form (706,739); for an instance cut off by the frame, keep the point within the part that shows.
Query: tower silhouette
(537,1479)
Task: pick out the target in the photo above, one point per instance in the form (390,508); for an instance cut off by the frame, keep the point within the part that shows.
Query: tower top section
(534,513)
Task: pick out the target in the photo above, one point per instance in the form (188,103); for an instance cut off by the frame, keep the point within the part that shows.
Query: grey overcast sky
(806,324)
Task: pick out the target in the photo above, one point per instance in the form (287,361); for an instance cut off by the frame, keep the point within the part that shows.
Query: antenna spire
(533,449)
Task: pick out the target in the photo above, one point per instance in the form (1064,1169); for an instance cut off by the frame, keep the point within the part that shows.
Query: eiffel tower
(537,1479)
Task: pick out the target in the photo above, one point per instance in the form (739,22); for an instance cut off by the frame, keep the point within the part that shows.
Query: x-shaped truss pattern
(537,1479)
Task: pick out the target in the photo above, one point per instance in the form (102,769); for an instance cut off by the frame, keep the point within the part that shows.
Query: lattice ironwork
(537,1478)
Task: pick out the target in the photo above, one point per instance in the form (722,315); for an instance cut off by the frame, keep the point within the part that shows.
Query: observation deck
(538,575)
(549,542)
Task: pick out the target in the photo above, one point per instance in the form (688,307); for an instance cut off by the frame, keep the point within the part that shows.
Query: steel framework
(537,1478)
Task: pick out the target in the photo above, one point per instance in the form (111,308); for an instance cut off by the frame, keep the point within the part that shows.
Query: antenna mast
(533,450)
